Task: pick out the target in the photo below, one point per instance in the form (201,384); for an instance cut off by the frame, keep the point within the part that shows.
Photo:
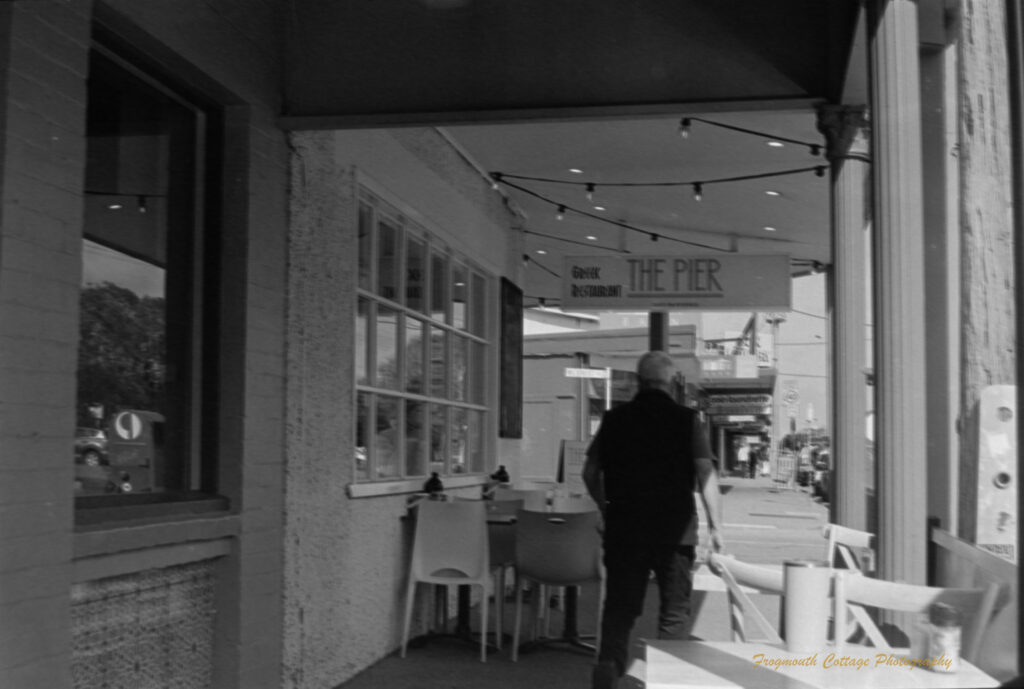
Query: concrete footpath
(761,524)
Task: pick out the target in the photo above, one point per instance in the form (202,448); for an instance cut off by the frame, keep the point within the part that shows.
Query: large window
(421,346)
(140,363)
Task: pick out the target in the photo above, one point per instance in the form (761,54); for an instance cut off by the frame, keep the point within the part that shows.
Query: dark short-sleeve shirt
(647,449)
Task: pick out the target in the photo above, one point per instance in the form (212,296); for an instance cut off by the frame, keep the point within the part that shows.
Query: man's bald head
(655,370)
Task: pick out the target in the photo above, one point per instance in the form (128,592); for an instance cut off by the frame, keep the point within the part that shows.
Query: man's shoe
(606,675)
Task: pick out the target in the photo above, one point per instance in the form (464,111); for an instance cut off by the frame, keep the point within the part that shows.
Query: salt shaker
(944,637)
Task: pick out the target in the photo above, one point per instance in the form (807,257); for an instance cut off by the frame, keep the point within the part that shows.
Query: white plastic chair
(450,547)
(976,606)
(502,540)
(737,574)
(573,503)
(556,549)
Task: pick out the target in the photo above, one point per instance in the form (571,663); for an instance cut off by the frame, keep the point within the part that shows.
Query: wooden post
(988,336)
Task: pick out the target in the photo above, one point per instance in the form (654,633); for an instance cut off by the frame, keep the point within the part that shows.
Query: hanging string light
(590,191)
(684,132)
(698,191)
(592,187)
(561,212)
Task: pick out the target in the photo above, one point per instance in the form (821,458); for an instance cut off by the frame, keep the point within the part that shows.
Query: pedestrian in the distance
(642,468)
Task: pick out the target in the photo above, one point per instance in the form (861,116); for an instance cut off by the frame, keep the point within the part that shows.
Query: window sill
(405,486)
(106,511)
(126,545)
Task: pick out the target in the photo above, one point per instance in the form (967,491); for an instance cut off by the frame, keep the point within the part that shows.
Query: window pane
(459,449)
(438,286)
(438,436)
(459,291)
(362,342)
(438,358)
(415,275)
(364,403)
(413,355)
(415,438)
(387,455)
(365,245)
(387,249)
(477,373)
(459,361)
(476,441)
(387,348)
(478,305)
(139,354)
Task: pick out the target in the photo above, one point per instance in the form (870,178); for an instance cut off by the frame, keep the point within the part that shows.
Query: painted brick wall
(346,559)
(42,67)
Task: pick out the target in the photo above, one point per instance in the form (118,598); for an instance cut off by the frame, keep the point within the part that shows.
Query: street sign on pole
(602,373)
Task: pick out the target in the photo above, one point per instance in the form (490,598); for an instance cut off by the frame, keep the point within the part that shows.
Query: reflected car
(805,467)
(91,447)
(822,474)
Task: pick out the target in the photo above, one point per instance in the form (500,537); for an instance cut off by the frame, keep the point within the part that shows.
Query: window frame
(198,464)
(366,395)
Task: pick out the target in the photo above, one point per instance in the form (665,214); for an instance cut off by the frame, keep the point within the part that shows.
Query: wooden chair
(555,549)
(450,546)
(976,605)
(850,548)
(736,575)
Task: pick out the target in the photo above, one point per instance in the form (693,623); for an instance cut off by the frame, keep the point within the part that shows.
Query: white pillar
(899,290)
(845,129)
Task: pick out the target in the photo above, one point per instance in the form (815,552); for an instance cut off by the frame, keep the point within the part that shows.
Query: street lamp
(774,319)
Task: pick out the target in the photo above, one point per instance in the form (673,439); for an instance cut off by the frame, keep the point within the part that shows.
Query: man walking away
(642,468)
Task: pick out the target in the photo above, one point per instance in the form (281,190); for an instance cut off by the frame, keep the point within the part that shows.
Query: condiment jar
(944,637)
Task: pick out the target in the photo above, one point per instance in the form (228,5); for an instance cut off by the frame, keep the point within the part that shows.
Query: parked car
(91,447)
(823,474)
(805,466)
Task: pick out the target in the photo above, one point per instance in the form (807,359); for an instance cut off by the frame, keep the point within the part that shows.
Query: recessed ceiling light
(600,208)
(769,228)
(776,144)
(770,192)
(591,237)
(541,251)
(576,171)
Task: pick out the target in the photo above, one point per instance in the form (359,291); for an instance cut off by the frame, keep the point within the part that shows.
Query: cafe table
(727,665)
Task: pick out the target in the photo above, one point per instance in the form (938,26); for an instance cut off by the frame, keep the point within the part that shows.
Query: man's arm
(707,479)
(592,477)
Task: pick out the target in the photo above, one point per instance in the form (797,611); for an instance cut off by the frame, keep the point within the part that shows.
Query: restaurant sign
(739,404)
(712,281)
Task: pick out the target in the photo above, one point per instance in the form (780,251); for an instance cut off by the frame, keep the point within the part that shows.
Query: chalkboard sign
(510,395)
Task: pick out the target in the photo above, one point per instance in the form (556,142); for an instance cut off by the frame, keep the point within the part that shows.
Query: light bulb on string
(684,128)
(698,190)
(495,178)
(815,150)
(561,213)
(590,191)
(142,204)
(654,237)
(820,171)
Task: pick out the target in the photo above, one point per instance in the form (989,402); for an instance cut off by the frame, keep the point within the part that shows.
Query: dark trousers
(627,570)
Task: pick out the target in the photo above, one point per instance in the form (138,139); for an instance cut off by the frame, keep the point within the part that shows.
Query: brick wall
(231,52)
(42,66)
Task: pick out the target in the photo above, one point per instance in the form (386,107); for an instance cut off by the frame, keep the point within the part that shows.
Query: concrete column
(845,129)
(899,290)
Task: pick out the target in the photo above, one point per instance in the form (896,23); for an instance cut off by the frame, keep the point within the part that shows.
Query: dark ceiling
(364,62)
